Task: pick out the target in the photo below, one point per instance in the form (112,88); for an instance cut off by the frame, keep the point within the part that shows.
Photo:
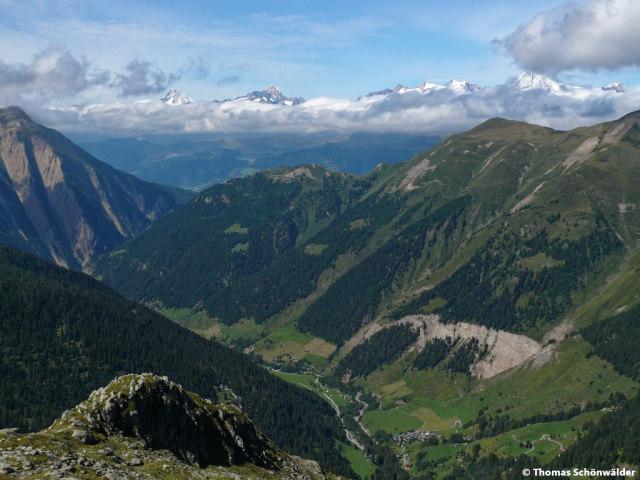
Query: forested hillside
(505,226)
(616,340)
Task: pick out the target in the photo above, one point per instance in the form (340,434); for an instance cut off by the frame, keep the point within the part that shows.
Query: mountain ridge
(525,81)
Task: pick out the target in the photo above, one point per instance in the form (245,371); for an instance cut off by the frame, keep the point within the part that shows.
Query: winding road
(546,437)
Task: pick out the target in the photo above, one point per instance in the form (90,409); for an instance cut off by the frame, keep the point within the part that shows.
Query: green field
(309,381)
(358,461)
(288,333)
(286,340)
(236,228)
(243,329)
(448,450)
(314,249)
(392,421)
(240,247)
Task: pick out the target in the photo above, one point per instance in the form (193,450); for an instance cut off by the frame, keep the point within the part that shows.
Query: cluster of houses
(403,439)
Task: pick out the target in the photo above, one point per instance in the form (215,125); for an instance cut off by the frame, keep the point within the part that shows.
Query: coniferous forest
(383,348)
(616,339)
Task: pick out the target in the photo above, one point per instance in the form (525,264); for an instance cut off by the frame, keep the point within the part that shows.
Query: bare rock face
(59,202)
(166,417)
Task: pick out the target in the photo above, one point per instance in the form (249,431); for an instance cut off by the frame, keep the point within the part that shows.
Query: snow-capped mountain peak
(462,86)
(535,81)
(616,87)
(174,97)
(424,86)
(271,95)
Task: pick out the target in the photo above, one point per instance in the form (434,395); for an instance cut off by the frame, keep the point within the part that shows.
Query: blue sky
(57,56)
(222,49)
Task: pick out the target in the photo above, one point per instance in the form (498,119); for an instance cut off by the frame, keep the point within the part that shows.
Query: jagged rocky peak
(616,87)
(175,97)
(386,91)
(271,95)
(144,426)
(164,416)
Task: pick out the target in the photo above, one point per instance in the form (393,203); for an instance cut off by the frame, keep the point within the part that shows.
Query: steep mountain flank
(142,426)
(235,231)
(59,202)
(502,350)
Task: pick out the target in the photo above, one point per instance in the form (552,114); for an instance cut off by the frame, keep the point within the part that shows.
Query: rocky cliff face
(145,426)
(504,350)
(61,203)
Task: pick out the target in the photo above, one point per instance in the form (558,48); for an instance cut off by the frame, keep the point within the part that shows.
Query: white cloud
(596,35)
(438,111)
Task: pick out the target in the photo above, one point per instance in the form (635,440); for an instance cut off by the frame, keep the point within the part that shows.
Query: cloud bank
(438,111)
(596,35)
(51,74)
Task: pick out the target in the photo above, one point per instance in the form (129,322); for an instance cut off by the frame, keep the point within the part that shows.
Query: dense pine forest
(616,340)
(64,334)
(294,275)
(435,351)
(383,348)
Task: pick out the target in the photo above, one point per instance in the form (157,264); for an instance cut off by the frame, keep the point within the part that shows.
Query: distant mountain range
(271,95)
(525,81)
(199,163)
